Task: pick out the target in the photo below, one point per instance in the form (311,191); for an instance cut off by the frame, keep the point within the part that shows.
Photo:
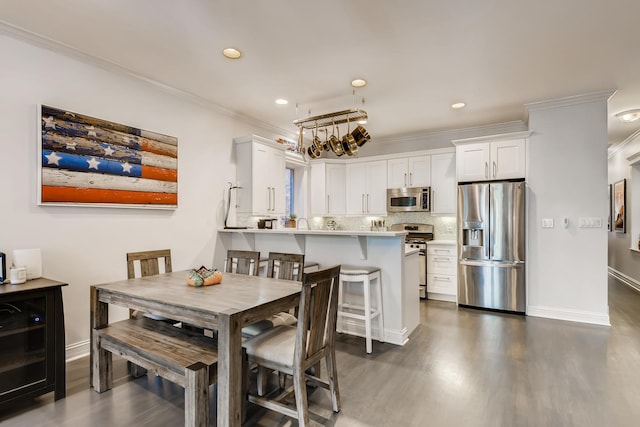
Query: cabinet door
(376,195)
(508,159)
(398,173)
(472,162)
(318,188)
(277,182)
(336,189)
(443,183)
(420,171)
(356,188)
(261,170)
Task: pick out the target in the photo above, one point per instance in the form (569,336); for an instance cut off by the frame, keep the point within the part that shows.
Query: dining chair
(242,262)
(293,350)
(280,266)
(148,265)
(285,266)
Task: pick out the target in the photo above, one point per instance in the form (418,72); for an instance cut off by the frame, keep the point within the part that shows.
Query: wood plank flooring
(461,367)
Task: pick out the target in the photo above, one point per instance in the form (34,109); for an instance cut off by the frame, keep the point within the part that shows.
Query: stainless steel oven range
(419,235)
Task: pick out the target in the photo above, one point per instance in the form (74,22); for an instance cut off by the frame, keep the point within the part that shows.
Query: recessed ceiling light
(362,122)
(458,105)
(231,53)
(358,83)
(629,116)
(281,101)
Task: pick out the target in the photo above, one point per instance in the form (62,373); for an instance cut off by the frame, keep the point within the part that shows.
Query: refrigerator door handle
(499,264)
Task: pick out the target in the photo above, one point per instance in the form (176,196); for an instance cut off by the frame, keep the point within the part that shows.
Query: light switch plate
(590,222)
(547,222)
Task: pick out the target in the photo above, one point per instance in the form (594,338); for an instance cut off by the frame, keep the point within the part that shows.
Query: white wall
(85,246)
(567,159)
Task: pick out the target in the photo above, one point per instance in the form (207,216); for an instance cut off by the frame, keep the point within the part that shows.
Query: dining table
(238,301)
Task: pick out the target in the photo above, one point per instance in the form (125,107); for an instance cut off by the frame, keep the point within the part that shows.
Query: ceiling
(418,56)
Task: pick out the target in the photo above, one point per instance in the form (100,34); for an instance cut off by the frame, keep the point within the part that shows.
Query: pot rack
(353,115)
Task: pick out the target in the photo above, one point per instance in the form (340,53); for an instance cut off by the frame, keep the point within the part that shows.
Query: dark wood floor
(462,367)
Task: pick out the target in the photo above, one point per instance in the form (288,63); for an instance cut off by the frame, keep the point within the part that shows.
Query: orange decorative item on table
(203,277)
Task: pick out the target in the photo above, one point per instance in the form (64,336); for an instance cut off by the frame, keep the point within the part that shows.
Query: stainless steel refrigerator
(491,245)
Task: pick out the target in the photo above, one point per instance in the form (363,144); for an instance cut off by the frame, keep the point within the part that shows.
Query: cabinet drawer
(442,284)
(440,264)
(448,250)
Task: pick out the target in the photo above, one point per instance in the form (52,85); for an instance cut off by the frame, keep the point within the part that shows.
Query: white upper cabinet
(443,183)
(328,189)
(484,159)
(508,159)
(367,188)
(260,171)
(409,172)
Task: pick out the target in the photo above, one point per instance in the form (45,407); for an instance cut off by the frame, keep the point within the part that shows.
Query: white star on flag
(53,159)
(71,145)
(126,167)
(91,131)
(109,151)
(48,122)
(93,163)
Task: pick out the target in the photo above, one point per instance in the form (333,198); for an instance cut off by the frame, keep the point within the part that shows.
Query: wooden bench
(178,355)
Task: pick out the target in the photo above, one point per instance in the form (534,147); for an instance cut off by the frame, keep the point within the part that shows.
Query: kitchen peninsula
(383,249)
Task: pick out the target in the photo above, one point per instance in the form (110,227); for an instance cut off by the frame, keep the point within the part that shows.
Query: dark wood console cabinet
(32,341)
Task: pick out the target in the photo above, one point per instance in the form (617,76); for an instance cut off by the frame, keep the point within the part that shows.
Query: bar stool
(350,275)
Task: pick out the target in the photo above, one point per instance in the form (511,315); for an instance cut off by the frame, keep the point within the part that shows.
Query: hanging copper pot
(313,151)
(349,143)
(361,135)
(326,145)
(336,144)
(316,140)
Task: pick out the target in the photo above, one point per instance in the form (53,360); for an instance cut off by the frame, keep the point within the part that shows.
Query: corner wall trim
(629,281)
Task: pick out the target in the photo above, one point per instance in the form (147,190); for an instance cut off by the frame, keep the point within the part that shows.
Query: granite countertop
(316,232)
(442,242)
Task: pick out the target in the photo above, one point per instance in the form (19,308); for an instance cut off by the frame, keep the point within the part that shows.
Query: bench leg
(136,371)
(196,396)
(102,365)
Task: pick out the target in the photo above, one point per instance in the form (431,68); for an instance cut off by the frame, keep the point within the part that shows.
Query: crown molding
(496,128)
(41,41)
(615,148)
(603,95)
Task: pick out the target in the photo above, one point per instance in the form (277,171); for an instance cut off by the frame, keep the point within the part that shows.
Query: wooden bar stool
(350,275)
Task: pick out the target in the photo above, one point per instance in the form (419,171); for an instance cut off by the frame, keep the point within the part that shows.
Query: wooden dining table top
(237,292)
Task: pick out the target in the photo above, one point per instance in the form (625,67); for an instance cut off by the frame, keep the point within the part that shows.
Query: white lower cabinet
(442,269)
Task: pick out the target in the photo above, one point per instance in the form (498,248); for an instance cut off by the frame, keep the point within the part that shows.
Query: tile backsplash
(444,226)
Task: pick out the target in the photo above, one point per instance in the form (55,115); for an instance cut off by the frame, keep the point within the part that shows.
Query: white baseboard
(627,280)
(441,297)
(569,315)
(391,336)
(77,350)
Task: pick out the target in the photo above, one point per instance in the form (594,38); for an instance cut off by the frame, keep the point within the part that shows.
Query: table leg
(229,372)
(101,368)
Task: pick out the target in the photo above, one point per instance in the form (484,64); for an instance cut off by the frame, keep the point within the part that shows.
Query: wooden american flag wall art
(93,162)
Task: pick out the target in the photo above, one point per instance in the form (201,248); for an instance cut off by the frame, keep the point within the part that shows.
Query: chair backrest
(318,311)
(285,266)
(243,262)
(149,262)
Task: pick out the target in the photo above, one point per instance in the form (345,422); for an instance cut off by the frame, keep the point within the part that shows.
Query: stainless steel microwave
(410,199)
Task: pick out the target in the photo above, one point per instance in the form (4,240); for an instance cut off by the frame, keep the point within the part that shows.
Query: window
(289,192)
